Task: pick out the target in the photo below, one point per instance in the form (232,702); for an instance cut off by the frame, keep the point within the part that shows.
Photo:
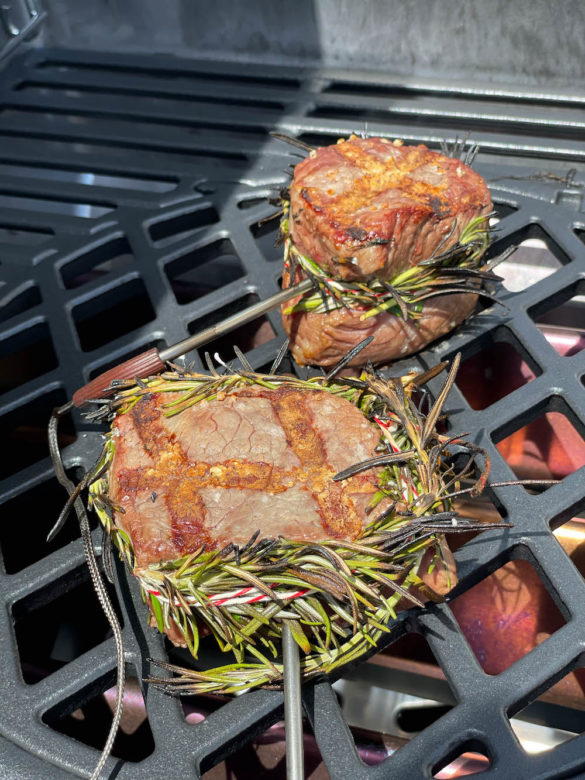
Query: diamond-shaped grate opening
(24,431)
(97,263)
(286,366)
(502,210)
(411,646)
(25,299)
(249,336)
(385,699)
(39,507)
(88,721)
(547,447)
(561,320)
(265,757)
(250,203)
(494,369)
(414,719)
(481,509)
(28,354)
(105,318)
(553,716)
(537,257)
(570,534)
(209,656)
(182,224)
(506,615)
(52,629)
(266,235)
(374,747)
(203,270)
(197,708)
(469,758)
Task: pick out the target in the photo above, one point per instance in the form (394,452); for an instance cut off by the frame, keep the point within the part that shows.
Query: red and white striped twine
(248,595)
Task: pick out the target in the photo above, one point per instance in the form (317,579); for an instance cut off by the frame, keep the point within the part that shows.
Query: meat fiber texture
(255,459)
(367,207)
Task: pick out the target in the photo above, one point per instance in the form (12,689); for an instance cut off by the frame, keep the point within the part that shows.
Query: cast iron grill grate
(130,191)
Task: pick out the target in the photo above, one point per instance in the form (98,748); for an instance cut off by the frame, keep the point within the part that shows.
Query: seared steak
(368,207)
(255,459)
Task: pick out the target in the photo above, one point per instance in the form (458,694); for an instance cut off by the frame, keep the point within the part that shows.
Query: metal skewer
(153,361)
(193,342)
(293,707)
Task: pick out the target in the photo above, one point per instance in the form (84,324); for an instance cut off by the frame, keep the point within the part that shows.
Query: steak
(254,459)
(369,207)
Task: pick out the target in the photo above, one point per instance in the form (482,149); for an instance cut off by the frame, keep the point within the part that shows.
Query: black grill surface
(130,191)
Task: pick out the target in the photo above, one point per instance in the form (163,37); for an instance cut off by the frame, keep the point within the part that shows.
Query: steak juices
(393,235)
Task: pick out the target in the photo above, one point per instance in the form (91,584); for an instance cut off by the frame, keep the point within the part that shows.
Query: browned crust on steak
(171,498)
(366,207)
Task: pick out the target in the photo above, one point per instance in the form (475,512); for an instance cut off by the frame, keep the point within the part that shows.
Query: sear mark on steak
(222,469)
(359,234)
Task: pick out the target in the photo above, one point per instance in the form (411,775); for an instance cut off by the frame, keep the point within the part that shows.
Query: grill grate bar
(535,119)
(550,151)
(195,89)
(333,736)
(381,83)
(165,139)
(165,112)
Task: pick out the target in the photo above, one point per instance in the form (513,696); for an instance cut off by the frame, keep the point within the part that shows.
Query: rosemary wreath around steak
(338,595)
(460,269)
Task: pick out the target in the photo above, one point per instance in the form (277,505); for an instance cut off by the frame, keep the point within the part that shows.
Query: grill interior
(130,193)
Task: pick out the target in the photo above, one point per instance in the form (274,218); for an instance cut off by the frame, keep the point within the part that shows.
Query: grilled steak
(219,492)
(367,209)
(255,459)
(367,206)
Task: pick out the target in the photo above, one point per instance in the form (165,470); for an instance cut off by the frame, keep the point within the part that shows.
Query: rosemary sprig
(458,269)
(341,595)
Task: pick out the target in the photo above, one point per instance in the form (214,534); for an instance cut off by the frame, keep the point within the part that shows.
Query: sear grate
(130,193)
